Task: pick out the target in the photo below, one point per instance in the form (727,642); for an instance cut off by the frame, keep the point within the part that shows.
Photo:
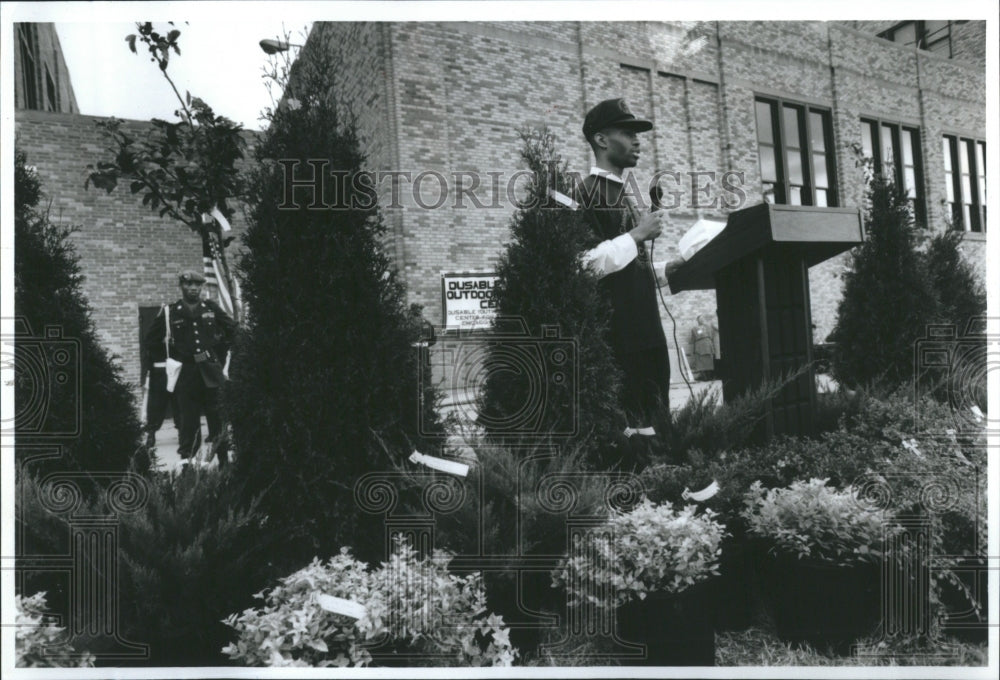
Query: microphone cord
(673,321)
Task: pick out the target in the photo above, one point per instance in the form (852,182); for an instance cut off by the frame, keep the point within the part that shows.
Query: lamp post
(271,46)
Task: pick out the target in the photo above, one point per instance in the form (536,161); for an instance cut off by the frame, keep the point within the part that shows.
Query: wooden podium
(759,268)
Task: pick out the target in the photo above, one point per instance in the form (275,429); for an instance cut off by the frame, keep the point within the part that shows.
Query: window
(965,182)
(26,45)
(895,152)
(796,162)
(934,36)
(50,86)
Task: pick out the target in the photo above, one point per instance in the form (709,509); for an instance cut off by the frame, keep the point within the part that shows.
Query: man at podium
(620,258)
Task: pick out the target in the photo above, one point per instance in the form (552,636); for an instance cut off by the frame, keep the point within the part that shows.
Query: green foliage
(889,297)
(959,289)
(652,548)
(183,168)
(39,642)
(324,387)
(188,557)
(542,283)
(426,615)
(811,519)
(48,296)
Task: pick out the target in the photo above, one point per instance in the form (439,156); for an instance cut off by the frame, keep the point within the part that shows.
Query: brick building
(783,103)
(41,79)
(449,97)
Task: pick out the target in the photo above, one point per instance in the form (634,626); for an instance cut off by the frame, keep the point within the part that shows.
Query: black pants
(194,399)
(157,400)
(645,384)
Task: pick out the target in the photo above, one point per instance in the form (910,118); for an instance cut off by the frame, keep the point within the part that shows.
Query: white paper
(339,605)
(563,199)
(449,466)
(702,495)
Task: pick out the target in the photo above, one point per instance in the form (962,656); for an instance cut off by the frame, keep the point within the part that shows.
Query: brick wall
(129,256)
(458,92)
(440,98)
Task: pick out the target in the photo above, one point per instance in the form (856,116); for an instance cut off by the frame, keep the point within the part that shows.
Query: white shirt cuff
(611,256)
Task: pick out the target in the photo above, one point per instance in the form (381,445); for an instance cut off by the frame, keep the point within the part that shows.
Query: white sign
(467,300)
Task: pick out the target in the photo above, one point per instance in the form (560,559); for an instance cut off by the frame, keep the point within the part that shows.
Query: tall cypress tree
(68,389)
(529,393)
(324,384)
(889,297)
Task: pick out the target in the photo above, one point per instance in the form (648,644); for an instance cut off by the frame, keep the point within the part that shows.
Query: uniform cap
(191,276)
(613,112)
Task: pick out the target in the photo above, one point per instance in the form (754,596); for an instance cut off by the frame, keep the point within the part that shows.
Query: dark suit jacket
(635,318)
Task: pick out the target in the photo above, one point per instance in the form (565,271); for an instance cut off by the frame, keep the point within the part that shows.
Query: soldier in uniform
(629,279)
(200,336)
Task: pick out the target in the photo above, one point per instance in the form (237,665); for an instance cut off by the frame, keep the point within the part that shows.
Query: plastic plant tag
(702,495)
(339,605)
(449,466)
(563,199)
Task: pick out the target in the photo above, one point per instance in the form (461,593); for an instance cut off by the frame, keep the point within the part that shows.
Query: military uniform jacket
(205,332)
(635,316)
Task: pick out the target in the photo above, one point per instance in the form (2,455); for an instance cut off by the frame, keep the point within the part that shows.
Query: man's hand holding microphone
(651,227)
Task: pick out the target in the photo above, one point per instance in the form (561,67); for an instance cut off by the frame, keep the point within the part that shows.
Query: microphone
(655,198)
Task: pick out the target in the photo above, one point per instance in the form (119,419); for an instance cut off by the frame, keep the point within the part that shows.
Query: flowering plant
(414,603)
(39,642)
(810,519)
(652,548)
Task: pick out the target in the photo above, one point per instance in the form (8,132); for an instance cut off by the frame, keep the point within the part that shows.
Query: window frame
(783,184)
(957,144)
(896,130)
(921,33)
(27,45)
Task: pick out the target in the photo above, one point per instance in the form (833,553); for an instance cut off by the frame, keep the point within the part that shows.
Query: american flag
(216,275)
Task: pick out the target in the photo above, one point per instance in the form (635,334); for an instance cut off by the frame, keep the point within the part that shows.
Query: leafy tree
(68,389)
(324,386)
(186,168)
(542,283)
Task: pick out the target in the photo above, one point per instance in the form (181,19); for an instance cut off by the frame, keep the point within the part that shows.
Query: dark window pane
(791,122)
(905,34)
(765,131)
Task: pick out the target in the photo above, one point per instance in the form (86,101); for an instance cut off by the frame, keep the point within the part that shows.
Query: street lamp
(274,46)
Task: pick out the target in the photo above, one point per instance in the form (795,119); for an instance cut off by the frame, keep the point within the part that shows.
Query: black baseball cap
(613,112)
